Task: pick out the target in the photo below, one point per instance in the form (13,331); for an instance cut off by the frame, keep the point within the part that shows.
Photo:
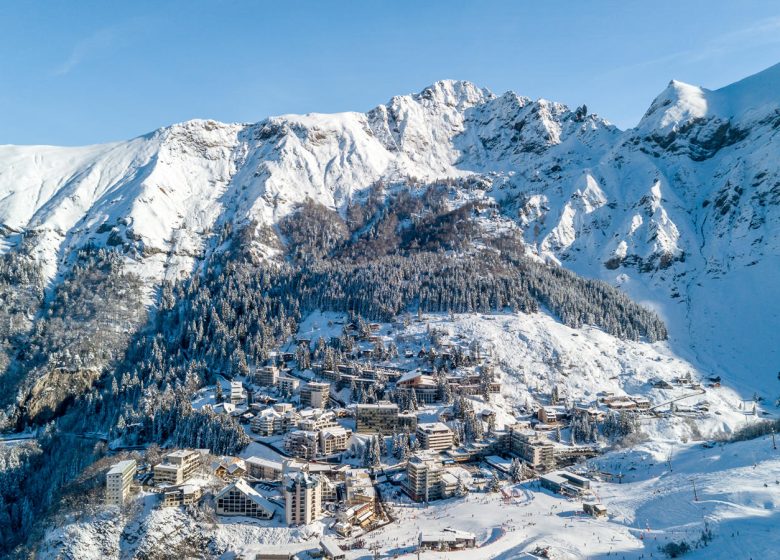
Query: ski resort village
(459,325)
(412,439)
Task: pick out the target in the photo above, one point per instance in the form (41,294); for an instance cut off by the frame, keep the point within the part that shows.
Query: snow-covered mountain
(682,212)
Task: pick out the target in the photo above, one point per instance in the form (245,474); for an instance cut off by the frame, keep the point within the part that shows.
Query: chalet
(229,468)
(267,423)
(359,515)
(593,413)
(596,510)
(661,384)
(316,419)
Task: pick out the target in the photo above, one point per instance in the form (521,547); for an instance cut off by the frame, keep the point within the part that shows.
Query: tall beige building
(434,435)
(177,468)
(302,498)
(118,481)
(315,394)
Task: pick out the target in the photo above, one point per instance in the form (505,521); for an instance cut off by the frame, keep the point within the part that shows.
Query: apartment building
(328,489)
(288,385)
(427,479)
(263,469)
(538,452)
(334,439)
(237,393)
(177,467)
(383,417)
(316,419)
(302,444)
(186,495)
(302,498)
(118,480)
(239,498)
(267,423)
(315,394)
(435,436)
(425,387)
(358,488)
(268,376)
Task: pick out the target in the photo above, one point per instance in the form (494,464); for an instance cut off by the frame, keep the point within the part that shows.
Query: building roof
(330,547)
(446,536)
(267,463)
(380,405)
(121,466)
(301,478)
(181,453)
(334,431)
(555,478)
(251,494)
(433,427)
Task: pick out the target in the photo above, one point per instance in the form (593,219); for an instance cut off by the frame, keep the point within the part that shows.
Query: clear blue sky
(93,71)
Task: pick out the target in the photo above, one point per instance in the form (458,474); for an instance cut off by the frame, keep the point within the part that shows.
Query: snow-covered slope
(681,212)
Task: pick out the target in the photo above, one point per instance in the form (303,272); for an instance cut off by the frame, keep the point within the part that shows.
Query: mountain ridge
(687,193)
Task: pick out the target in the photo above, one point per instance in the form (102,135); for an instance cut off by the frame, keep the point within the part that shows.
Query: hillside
(135,274)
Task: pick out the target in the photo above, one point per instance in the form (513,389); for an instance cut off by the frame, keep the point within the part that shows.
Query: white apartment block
(118,481)
(268,376)
(428,480)
(315,394)
(435,436)
(302,498)
(177,467)
(237,393)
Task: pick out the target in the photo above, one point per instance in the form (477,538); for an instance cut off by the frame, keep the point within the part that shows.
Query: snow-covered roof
(446,536)
(330,547)
(251,494)
(409,375)
(121,466)
(267,463)
(334,431)
(433,427)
